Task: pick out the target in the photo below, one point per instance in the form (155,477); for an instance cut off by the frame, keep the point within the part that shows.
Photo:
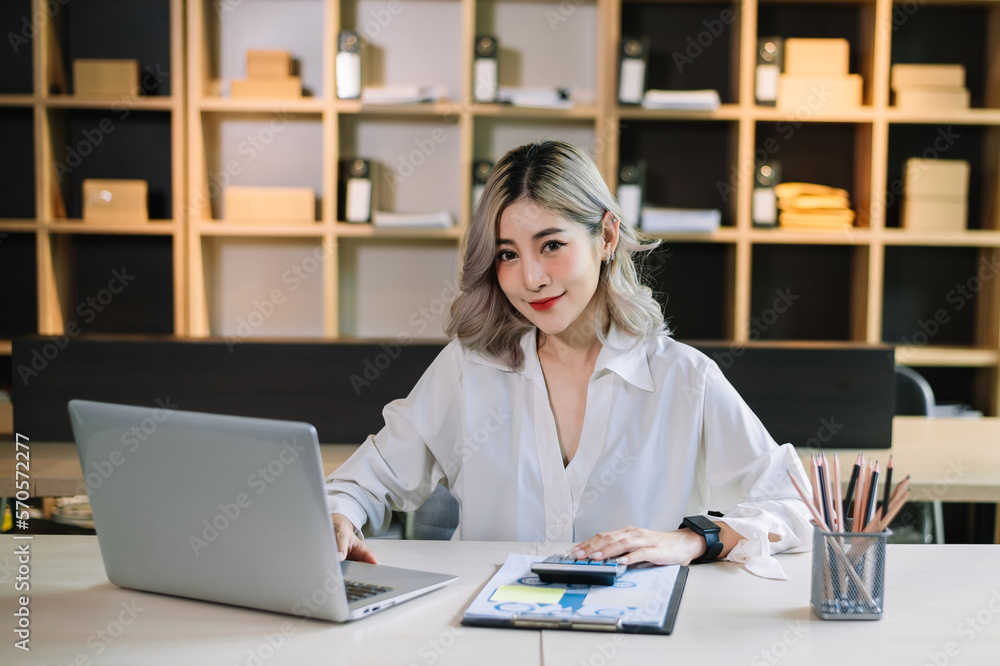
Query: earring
(611,257)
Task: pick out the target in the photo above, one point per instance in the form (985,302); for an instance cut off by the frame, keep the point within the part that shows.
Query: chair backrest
(914,396)
(436,518)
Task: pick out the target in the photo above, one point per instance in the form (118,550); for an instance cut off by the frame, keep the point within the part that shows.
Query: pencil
(870,505)
(814,478)
(850,485)
(824,496)
(837,497)
(860,495)
(888,485)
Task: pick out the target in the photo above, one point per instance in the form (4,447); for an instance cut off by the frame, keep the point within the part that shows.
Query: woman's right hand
(348,543)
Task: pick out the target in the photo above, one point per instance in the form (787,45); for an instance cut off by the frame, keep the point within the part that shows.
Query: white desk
(727,616)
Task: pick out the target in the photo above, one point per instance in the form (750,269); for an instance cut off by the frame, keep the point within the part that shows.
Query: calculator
(567,569)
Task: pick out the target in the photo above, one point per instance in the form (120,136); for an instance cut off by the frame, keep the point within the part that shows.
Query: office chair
(437,518)
(914,397)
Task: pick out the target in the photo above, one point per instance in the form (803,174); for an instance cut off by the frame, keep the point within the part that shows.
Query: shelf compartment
(959,35)
(962,385)
(17,169)
(975,144)
(691,46)
(17,26)
(102,144)
(932,295)
(834,154)
(114,29)
(688,164)
(260,149)
(529,32)
(116,284)
(407,286)
(417,162)
(18,284)
(417,42)
(295,26)
(264,287)
(853,21)
(693,282)
(804,292)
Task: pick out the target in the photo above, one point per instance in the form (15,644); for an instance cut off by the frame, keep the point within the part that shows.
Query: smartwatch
(704,526)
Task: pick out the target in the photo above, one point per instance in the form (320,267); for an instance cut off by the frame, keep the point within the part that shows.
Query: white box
(828,57)
(934,214)
(115,200)
(268,64)
(918,76)
(819,93)
(936,178)
(290,86)
(269,204)
(105,76)
(936,98)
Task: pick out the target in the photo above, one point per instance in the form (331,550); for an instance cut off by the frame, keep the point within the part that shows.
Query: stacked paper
(402,94)
(814,207)
(550,98)
(438,219)
(694,100)
(680,220)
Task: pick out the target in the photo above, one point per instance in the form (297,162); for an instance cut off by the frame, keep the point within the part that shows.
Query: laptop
(225,509)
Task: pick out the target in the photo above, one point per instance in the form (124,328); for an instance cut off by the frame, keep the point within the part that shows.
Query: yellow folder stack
(813,207)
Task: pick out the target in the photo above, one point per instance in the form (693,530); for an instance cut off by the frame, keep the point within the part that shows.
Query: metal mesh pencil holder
(848,574)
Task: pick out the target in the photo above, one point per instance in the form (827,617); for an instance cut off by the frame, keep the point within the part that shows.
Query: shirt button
(560,523)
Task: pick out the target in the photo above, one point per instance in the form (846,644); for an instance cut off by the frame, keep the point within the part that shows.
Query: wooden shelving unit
(357,280)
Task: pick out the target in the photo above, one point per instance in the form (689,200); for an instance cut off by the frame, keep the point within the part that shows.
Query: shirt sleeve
(747,480)
(397,469)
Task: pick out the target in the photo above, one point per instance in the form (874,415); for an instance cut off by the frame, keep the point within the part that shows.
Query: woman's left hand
(631,545)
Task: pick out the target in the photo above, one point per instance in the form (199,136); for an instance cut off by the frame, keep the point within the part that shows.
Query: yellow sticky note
(528,594)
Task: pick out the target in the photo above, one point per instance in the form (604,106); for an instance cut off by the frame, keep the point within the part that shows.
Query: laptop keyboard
(357,591)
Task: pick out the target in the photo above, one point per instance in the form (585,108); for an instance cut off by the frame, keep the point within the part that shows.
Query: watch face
(703,523)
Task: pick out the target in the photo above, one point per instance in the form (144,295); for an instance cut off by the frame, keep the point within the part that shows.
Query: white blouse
(664,436)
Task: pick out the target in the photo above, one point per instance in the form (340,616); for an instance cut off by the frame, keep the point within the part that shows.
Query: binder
(354,193)
(764,211)
(632,70)
(481,171)
(770,62)
(645,600)
(349,65)
(631,190)
(487,69)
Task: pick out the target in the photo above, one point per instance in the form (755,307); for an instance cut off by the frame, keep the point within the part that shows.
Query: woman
(562,410)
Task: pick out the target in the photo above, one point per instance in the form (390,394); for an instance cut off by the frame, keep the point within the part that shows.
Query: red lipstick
(545,304)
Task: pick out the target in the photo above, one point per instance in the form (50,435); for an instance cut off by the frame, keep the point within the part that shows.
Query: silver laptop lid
(221,508)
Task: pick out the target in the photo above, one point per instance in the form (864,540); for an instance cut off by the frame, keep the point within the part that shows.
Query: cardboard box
(936,178)
(288,87)
(827,57)
(105,77)
(918,76)
(262,64)
(270,204)
(815,94)
(115,200)
(936,98)
(935,214)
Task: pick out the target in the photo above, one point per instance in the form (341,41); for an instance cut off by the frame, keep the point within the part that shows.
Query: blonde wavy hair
(563,179)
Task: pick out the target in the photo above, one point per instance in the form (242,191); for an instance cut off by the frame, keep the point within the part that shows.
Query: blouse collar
(623,354)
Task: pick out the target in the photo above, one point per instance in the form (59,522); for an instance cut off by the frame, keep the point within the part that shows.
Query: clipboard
(644,600)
